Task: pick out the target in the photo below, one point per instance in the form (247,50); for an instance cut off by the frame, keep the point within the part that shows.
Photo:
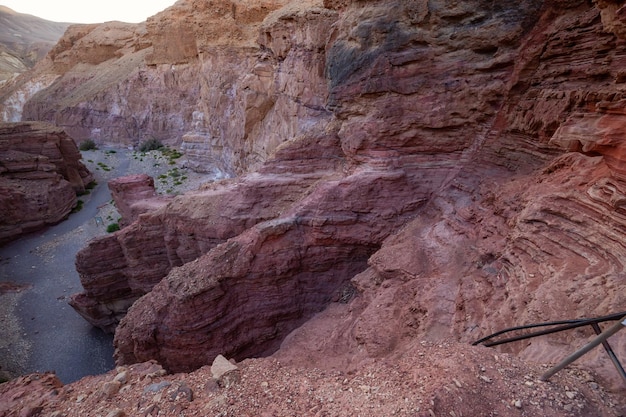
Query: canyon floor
(39,330)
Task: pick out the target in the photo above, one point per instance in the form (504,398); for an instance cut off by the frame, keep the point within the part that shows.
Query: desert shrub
(78,207)
(150,145)
(113,227)
(88,145)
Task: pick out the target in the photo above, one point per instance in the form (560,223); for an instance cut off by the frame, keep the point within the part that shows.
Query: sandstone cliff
(431,170)
(40,175)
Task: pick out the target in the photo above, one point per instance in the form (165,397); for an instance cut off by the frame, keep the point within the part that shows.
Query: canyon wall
(40,175)
(430,170)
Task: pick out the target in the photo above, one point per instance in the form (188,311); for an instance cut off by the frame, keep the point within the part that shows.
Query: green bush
(78,207)
(150,145)
(88,145)
(113,227)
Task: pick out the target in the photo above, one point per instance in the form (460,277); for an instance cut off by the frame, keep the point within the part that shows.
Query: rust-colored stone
(40,174)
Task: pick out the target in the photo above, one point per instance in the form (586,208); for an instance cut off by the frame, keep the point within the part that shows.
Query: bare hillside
(24,39)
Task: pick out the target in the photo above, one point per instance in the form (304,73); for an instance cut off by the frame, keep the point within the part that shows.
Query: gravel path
(39,331)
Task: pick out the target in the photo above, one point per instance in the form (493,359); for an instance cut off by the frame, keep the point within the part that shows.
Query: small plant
(88,145)
(150,145)
(78,207)
(91,185)
(171,154)
(103,166)
(113,227)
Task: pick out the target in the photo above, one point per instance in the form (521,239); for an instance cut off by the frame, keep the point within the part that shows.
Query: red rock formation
(40,174)
(456,168)
(134,195)
(510,226)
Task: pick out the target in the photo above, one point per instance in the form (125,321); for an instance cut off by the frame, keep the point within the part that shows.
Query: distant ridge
(24,40)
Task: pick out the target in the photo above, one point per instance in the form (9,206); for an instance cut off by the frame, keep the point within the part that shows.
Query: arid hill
(402,175)
(24,40)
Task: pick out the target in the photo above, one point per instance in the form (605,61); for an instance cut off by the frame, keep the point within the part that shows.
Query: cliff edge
(400,172)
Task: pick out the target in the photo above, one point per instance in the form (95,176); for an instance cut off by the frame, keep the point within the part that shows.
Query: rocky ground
(441,379)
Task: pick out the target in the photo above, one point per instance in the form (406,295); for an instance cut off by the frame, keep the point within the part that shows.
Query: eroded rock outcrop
(457,167)
(134,195)
(40,175)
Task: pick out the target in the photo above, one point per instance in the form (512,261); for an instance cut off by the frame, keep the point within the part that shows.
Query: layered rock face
(40,174)
(194,75)
(445,170)
(134,195)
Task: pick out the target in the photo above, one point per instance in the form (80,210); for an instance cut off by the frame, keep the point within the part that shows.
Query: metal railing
(559,326)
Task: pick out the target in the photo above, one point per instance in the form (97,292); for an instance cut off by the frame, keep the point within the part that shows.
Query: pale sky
(89,11)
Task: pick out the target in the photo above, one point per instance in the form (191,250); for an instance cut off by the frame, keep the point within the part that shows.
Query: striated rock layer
(40,175)
(445,170)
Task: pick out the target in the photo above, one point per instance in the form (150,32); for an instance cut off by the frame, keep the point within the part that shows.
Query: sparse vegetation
(113,227)
(79,206)
(88,145)
(150,145)
(171,154)
(104,166)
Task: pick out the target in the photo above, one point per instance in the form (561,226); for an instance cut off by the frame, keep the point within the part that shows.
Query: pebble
(116,413)
(122,377)
(156,387)
(570,394)
(518,404)
(109,389)
(485,378)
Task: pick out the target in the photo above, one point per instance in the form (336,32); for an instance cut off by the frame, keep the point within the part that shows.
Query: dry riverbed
(39,331)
